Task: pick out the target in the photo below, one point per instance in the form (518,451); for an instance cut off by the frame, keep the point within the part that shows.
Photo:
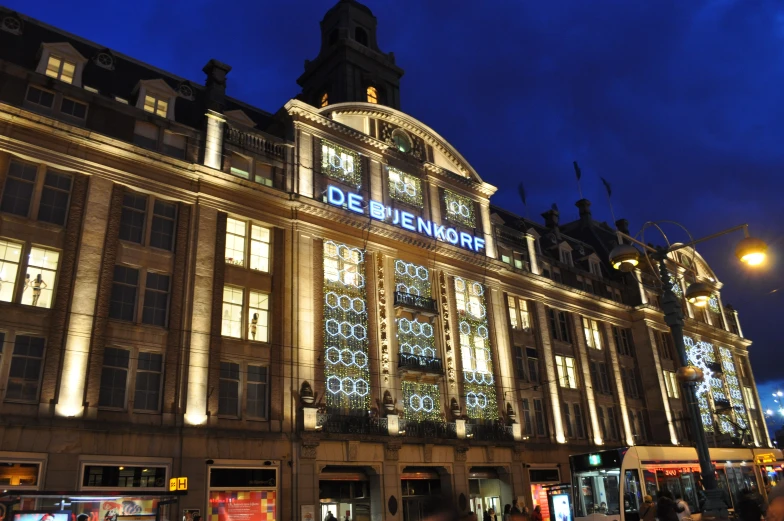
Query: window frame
(27,100)
(135,379)
(559,325)
(60,67)
(243,382)
(566,372)
(592,333)
(156,102)
(247,244)
(127,370)
(75,101)
(245,314)
(38,187)
(8,359)
(141,294)
(149,217)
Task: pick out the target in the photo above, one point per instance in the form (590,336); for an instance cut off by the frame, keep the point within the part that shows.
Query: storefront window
(107,476)
(243,494)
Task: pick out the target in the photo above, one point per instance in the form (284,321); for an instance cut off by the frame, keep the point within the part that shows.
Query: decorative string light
(700,354)
(713,304)
(412,278)
(405,188)
(736,394)
(421,402)
(459,209)
(676,286)
(341,164)
(478,381)
(345,328)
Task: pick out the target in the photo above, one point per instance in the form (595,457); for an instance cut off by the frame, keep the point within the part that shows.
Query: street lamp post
(625,257)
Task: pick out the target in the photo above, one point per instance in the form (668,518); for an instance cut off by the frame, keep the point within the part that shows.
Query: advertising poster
(539,495)
(110,510)
(308,513)
(41,516)
(561,511)
(254,505)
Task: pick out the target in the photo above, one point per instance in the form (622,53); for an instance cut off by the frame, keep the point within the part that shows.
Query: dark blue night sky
(677,104)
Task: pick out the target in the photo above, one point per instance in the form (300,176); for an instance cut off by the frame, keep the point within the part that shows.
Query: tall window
(519,353)
(10,254)
(147,395)
(124,289)
(612,419)
(164,216)
(666,346)
(341,164)
(54,198)
(259,248)
(567,376)
(533,365)
(231,324)
(25,374)
(405,188)
(573,420)
(749,395)
(114,378)
(156,299)
(229,390)
(40,278)
(601,382)
(258,316)
(60,69)
(19,187)
(567,420)
(459,209)
(629,378)
(593,337)
(257,401)
(519,317)
(566,256)
(578,421)
(372,94)
(324,100)
(132,219)
(155,105)
(623,340)
(528,429)
(671,384)
(236,245)
(602,421)
(559,324)
(541,425)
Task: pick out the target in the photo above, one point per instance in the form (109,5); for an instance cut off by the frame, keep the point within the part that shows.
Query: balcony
(422,305)
(489,431)
(255,142)
(337,423)
(427,429)
(420,364)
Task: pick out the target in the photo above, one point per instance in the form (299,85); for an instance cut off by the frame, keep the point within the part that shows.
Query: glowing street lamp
(626,257)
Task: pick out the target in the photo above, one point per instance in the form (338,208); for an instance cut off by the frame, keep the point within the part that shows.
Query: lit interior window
(324,100)
(372,95)
(155,106)
(60,69)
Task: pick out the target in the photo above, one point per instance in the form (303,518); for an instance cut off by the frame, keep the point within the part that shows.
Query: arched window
(324,100)
(372,94)
(360,36)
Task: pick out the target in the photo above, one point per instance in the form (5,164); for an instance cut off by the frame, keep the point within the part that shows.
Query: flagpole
(579,174)
(608,189)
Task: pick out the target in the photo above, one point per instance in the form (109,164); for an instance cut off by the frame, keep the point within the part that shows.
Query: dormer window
(372,95)
(324,100)
(60,69)
(566,255)
(155,105)
(595,268)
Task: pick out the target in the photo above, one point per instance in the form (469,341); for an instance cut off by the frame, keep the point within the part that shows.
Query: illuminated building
(324,297)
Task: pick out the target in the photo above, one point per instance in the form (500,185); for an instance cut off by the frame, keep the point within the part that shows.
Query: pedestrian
(516,508)
(537,515)
(489,515)
(684,513)
(330,516)
(666,509)
(748,508)
(647,509)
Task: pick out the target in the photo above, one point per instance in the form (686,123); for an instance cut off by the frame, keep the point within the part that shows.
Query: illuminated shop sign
(405,220)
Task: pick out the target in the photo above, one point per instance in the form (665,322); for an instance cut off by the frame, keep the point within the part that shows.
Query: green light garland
(459,209)
(421,402)
(476,356)
(412,278)
(346,360)
(405,188)
(341,164)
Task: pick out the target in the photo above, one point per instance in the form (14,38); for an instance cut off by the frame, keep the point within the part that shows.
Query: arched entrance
(419,485)
(347,492)
(488,487)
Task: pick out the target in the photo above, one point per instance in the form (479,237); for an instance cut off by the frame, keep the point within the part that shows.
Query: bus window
(749,478)
(597,491)
(632,495)
(651,488)
(689,485)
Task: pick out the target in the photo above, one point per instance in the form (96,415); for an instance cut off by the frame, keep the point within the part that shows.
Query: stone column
(531,242)
(201,318)
(503,352)
(487,228)
(213,142)
(435,203)
(304,151)
(579,338)
(84,299)
(549,365)
(616,366)
(661,387)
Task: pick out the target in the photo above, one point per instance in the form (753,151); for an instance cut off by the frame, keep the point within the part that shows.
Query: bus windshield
(597,491)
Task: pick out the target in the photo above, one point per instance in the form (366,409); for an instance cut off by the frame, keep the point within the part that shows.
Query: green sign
(594,460)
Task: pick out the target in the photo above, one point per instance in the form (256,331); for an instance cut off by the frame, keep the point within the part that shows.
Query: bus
(610,485)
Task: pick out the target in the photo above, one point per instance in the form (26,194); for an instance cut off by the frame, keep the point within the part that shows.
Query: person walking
(647,509)
(537,514)
(684,513)
(666,509)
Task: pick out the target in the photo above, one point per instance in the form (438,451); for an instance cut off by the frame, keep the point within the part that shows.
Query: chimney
(551,218)
(622,225)
(216,84)
(216,96)
(585,210)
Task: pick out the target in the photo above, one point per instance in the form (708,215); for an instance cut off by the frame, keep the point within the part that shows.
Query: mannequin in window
(37,284)
(253,324)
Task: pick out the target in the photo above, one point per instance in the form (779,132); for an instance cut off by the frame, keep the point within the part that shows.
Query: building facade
(318,308)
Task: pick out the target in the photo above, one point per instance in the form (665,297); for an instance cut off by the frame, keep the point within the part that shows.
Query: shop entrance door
(485,494)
